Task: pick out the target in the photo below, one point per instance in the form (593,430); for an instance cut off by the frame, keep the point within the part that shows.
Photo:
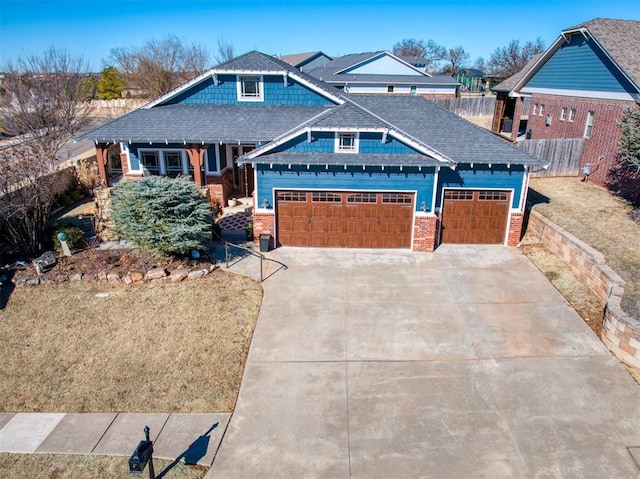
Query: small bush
(74,236)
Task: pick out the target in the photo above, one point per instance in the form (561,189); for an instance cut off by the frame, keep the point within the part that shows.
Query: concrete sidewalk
(194,438)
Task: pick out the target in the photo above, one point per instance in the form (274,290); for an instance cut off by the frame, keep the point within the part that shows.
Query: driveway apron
(461,363)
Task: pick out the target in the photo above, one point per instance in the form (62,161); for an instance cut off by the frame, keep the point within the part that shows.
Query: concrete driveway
(458,364)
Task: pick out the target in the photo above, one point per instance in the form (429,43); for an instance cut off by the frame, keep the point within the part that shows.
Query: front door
(242,176)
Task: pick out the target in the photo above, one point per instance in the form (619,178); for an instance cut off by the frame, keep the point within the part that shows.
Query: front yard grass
(57,466)
(148,347)
(601,220)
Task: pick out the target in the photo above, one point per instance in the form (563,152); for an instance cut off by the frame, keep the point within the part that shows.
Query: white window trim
(258,98)
(541,111)
(563,114)
(535,109)
(162,164)
(572,115)
(588,128)
(356,142)
(206,161)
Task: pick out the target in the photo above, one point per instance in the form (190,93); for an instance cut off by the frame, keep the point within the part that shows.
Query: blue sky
(91,28)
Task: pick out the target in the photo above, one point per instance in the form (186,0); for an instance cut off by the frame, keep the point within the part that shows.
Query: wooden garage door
(341,219)
(475,216)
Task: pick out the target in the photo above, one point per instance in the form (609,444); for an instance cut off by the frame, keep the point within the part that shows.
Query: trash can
(265,239)
(507,126)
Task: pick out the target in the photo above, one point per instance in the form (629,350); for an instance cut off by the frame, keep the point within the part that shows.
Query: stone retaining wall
(620,332)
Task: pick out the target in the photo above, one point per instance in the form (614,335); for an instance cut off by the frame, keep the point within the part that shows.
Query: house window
(572,115)
(541,111)
(151,162)
(250,88)
(535,109)
(346,143)
(173,163)
(589,125)
(563,114)
(169,162)
(413,90)
(390,88)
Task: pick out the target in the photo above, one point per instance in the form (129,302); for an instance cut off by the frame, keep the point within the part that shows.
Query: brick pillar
(425,232)
(264,223)
(515,229)
(102,156)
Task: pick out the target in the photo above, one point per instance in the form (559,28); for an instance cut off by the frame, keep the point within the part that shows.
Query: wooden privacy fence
(468,106)
(563,155)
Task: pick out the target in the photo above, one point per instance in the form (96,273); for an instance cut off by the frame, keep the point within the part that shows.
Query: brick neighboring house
(325,168)
(579,88)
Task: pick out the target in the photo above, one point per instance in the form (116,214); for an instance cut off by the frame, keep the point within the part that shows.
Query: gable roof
(619,39)
(300,59)
(256,63)
(443,137)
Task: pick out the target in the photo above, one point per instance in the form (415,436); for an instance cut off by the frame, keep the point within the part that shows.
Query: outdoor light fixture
(142,455)
(423,206)
(265,204)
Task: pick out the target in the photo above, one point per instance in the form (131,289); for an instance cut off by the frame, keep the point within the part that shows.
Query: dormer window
(346,143)
(250,88)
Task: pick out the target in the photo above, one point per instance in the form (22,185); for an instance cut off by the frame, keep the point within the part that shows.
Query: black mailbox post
(142,455)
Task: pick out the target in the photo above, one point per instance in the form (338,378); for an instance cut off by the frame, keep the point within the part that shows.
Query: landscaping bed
(91,345)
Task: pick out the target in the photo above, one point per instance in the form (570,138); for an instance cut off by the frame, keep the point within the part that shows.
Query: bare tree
(510,59)
(480,64)
(44,104)
(431,53)
(457,58)
(159,66)
(225,51)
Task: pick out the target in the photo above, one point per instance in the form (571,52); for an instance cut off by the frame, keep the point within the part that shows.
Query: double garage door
(344,219)
(475,216)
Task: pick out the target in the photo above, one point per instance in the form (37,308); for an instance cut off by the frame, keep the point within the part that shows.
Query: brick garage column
(264,223)
(425,232)
(515,229)
(102,156)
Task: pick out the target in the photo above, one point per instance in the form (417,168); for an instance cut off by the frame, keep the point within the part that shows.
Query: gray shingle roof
(455,137)
(349,159)
(296,59)
(347,116)
(204,123)
(621,40)
(510,83)
(321,73)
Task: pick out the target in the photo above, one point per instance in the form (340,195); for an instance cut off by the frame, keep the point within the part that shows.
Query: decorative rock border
(620,332)
(130,277)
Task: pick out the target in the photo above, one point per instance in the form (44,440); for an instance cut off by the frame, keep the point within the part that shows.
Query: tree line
(505,61)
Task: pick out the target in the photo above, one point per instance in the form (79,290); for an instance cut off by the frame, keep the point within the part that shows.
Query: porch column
(196,158)
(102,156)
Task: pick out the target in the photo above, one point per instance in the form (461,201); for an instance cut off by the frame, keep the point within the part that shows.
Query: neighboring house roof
(618,39)
(413,59)
(510,83)
(621,40)
(330,78)
(300,59)
(453,136)
(203,123)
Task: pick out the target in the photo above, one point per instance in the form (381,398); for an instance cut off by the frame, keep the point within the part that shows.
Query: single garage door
(475,216)
(344,219)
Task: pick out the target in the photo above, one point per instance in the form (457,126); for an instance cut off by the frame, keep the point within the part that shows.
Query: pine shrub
(162,215)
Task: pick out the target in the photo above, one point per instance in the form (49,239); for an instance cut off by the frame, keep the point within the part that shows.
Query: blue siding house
(325,168)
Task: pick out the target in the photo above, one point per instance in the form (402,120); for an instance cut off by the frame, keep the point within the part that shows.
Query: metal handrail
(262,257)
